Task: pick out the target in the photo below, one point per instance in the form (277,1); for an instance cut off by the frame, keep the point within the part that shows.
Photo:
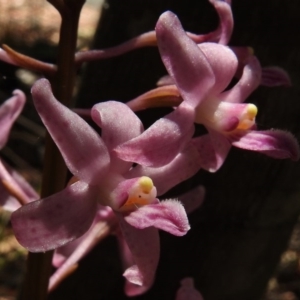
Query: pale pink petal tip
(187,290)
(168,215)
(275,76)
(275,143)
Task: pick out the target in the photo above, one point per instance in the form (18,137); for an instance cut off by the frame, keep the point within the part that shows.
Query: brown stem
(54,174)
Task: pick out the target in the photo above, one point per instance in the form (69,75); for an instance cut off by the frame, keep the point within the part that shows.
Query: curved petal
(144,247)
(9,111)
(223,62)
(225,27)
(168,215)
(275,76)
(185,62)
(187,291)
(83,150)
(183,166)
(249,81)
(275,143)
(160,143)
(119,124)
(56,220)
(213,149)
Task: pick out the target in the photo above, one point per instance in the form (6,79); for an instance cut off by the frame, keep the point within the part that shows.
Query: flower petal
(225,27)
(12,180)
(275,76)
(250,80)
(187,291)
(183,166)
(275,143)
(144,247)
(223,62)
(168,215)
(119,124)
(160,143)
(213,149)
(185,62)
(81,147)
(56,220)
(9,112)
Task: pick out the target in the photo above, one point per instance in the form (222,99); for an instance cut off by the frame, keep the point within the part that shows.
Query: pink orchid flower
(107,180)
(201,74)
(14,182)
(106,222)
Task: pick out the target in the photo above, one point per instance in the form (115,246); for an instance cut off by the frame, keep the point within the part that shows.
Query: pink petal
(183,166)
(275,76)
(18,185)
(249,81)
(119,124)
(54,221)
(9,112)
(81,147)
(185,62)
(223,9)
(187,291)
(223,62)
(213,150)
(160,143)
(168,215)
(144,248)
(275,143)
(192,199)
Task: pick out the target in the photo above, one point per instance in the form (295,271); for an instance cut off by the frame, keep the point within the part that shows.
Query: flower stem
(54,175)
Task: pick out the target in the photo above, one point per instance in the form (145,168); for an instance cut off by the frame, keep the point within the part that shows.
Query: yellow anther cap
(145,184)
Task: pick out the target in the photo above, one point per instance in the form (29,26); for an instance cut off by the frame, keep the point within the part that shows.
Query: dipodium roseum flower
(103,179)
(201,74)
(10,180)
(105,223)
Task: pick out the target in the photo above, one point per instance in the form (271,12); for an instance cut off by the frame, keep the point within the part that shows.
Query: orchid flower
(201,74)
(187,290)
(104,179)
(66,257)
(13,187)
